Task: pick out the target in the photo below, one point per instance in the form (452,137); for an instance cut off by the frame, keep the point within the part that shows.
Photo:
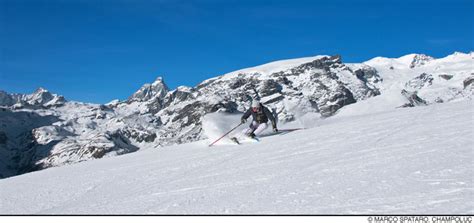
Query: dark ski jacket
(262,116)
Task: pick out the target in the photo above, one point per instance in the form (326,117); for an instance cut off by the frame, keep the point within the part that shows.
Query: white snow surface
(412,160)
(272,67)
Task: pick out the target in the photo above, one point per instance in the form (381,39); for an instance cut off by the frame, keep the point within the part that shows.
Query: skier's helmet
(255,105)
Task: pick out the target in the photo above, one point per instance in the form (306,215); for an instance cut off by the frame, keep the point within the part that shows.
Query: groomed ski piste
(397,161)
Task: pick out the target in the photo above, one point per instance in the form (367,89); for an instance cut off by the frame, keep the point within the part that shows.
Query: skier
(260,115)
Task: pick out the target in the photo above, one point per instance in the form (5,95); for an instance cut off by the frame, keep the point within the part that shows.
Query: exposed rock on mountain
(420,81)
(420,60)
(468,81)
(446,76)
(157,89)
(413,99)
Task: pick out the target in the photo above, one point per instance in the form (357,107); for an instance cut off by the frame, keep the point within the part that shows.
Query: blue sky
(99,50)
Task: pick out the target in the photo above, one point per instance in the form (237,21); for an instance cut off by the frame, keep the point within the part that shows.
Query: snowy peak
(159,82)
(408,61)
(276,66)
(459,56)
(40,98)
(412,61)
(157,89)
(457,53)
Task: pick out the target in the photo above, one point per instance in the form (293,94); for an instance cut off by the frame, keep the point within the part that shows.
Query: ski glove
(243,120)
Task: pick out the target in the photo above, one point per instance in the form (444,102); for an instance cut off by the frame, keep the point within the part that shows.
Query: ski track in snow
(412,161)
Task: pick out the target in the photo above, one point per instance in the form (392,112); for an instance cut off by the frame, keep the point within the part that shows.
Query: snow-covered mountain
(41,98)
(42,130)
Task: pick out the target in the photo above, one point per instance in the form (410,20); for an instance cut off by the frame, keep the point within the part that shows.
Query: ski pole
(290,130)
(225,134)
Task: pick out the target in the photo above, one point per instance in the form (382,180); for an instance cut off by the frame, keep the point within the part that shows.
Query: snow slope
(275,66)
(408,160)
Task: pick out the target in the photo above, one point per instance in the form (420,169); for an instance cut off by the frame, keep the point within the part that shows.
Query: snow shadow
(18,149)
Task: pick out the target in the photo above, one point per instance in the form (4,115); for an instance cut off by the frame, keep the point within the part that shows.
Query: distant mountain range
(42,129)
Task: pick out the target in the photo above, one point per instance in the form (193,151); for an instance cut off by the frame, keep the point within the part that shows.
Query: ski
(244,140)
(255,139)
(234,139)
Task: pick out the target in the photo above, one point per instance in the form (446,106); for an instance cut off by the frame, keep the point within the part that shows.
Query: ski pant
(255,128)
